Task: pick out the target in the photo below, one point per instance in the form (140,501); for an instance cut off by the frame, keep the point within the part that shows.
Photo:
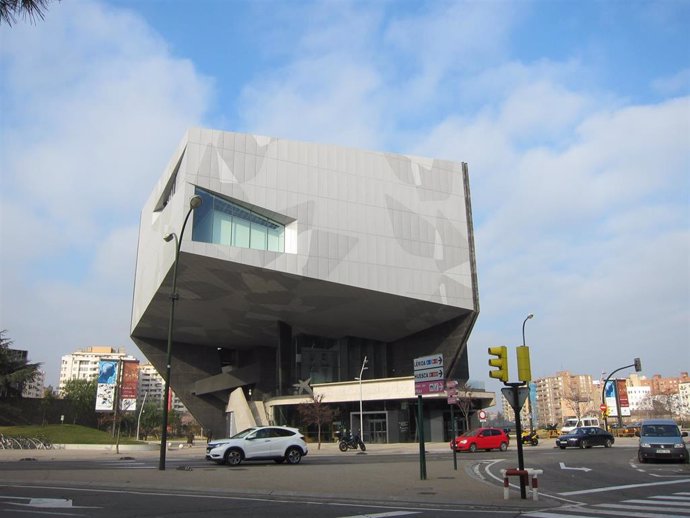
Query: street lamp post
(529,390)
(141,411)
(361,415)
(638,368)
(194,203)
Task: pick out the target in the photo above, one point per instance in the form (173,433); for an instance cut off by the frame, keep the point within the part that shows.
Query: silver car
(277,443)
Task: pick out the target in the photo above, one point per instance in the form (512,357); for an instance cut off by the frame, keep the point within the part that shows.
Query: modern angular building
(306,265)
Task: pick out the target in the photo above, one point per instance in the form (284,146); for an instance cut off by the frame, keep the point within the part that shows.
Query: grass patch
(65,434)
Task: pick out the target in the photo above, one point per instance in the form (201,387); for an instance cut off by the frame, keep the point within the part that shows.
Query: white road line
(644,507)
(655,502)
(671,497)
(628,486)
(382,515)
(516,486)
(540,514)
(630,514)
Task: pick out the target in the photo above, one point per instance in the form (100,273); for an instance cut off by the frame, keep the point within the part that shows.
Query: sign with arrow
(428,375)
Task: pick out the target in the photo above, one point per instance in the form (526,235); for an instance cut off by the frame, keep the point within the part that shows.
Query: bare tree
(579,401)
(464,403)
(666,404)
(316,413)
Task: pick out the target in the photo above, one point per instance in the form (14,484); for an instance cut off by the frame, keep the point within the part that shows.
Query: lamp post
(141,411)
(194,203)
(529,389)
(361,415)
(638,368)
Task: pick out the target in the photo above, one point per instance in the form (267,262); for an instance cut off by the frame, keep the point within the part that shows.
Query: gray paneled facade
(303,259)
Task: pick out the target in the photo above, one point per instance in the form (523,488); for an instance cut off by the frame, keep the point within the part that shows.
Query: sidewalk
(384,482)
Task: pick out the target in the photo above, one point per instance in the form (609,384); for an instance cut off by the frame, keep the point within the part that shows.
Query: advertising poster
(622,390)
(610,396)
(129,386)
(107,381)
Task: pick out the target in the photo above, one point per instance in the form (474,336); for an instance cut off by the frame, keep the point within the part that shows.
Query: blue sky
(574,118)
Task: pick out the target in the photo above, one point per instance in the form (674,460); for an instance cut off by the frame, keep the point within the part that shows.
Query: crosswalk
(660,506)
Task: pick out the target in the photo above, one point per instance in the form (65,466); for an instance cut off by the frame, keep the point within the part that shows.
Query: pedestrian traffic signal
(501,361)
(523,362)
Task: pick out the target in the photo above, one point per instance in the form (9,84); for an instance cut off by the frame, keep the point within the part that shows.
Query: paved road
(383,482)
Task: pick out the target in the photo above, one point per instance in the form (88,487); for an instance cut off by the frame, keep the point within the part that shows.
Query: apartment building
(509,413)
(36,387)
(151,386)
(565,395)
(83,364)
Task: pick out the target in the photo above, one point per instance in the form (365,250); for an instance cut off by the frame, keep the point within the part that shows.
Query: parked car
(661,439)
(585,437)
(278,443)
(481,439)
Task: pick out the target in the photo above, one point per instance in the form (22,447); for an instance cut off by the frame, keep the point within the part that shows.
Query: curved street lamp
(361,415)
(529,390)
(638,368)
(194,203)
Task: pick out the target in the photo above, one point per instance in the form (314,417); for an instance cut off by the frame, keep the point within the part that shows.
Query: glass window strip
(241,227)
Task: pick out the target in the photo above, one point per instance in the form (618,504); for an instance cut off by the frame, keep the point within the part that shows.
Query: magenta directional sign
(428,375)
(428,387)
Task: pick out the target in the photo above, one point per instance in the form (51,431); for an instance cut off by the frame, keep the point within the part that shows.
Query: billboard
(617,389)
(622,390)
(107,382)
(129,385)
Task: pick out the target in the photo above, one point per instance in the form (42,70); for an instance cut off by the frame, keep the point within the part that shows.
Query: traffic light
(501,361)
(524,367)
(638,365)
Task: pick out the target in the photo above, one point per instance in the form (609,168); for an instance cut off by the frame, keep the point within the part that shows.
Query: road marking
(539,514)
(563,466)
(644,507)
(382,515)
(663,497)
(628,486)
(264,499)
(656,502)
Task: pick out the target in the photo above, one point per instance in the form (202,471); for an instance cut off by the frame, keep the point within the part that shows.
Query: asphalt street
(383,482)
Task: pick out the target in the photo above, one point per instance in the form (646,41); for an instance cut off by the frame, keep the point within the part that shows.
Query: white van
(573,422)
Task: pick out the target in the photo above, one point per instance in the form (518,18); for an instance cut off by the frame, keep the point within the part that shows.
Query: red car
(481,439)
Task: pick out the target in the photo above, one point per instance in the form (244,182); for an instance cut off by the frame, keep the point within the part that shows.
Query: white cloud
(96,104)
(675,84)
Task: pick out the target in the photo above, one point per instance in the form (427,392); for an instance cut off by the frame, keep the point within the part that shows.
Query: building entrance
(375,426)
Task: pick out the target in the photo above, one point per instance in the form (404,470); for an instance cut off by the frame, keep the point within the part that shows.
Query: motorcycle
(530,438)
(349,442)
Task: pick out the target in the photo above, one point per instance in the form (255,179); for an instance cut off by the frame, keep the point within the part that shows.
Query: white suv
(278,443)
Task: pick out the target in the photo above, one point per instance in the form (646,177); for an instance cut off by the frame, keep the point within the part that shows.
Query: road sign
(603,407)
(482,415)
(452,400)
(522,393)
(428,375)
(428,387)
(451,384)
(428,362)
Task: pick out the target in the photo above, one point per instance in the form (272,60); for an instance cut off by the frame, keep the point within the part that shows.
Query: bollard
(506,485)
(525,474)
